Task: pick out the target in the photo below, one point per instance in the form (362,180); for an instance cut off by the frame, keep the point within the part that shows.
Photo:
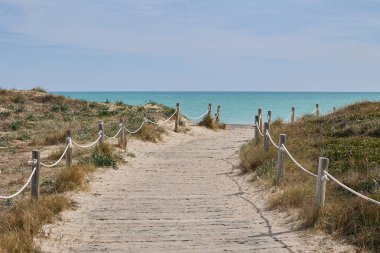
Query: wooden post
(256,128)
(281,158)
(101,129)
(266,137)
(260,113)
(323,166)
(334,109)
(36,176)
(292,115)
(69,153)
(269,116)
(209,110)
(217,115)
(122,140)
(317,111)
(176,126)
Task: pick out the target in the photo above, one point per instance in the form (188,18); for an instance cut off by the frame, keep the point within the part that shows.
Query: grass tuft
(151,133)
(103,156)
(73,178)
(21,222)
(211,123)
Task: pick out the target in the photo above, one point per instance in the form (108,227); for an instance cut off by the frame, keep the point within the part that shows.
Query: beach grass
(350,139)
(37,120)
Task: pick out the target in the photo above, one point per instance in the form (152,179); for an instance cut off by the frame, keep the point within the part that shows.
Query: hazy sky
(308,45)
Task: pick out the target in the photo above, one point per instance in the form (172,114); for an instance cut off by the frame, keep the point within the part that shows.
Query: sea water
(236,107)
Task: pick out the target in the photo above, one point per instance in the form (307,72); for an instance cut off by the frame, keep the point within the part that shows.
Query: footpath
(185,194)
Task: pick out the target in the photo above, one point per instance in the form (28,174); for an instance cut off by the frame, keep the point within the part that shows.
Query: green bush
(16,125)
(102,156)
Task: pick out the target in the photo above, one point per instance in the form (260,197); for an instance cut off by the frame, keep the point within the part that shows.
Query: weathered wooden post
(269,116)
(69,152)
(292,115)
(281,158)
(101,131)
(266,137)
(217,115)
(320,193)
(177,114)
(122,140)
(36,176)
(209,110)
(317,110)
(256,129)
(260,113)
(334,109)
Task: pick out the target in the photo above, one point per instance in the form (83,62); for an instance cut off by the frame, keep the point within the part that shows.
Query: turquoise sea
(236,107)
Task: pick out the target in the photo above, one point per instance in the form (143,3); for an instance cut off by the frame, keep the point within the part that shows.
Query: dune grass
(211,123)
(350,139)
(24,220)
(37,120)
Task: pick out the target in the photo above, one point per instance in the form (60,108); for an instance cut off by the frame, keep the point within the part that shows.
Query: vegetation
(23,220)
(37,120)
(211,123)
(103,156)
(350,139)
(73,178)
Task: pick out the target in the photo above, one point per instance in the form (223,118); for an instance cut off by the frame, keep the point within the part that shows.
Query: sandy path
(183,195)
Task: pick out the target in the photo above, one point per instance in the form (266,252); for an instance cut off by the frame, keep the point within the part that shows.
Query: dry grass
(73,178)
(211,123)
(34,119)
(20,223)
(350,139)
(151,133)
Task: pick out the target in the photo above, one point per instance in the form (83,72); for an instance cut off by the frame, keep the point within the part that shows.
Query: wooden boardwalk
(183,195)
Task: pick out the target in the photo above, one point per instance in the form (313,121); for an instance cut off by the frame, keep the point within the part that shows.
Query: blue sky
(167,45)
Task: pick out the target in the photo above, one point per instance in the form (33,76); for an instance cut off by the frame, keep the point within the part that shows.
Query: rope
(297,163)
(142,124)
(24,186)
(162,122)
(259,130)
(270,138)
(314,111)
(350,190)
(88,145)
(170,117)
(113,137)
(60,159)
(193,118)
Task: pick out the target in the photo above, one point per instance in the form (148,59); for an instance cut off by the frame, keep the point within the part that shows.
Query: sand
(185,194)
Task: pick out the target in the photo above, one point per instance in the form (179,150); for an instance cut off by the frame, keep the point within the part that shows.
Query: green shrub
(102,156)
(60,108)
(39,89)
(4,115)
(16,125)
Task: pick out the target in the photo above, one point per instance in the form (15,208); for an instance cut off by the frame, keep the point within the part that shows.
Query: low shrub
(103,156)
(16,125)
(39,89)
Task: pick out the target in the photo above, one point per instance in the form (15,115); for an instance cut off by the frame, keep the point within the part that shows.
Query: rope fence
(36,163)
(194,118)
(22,188)
(322,177)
